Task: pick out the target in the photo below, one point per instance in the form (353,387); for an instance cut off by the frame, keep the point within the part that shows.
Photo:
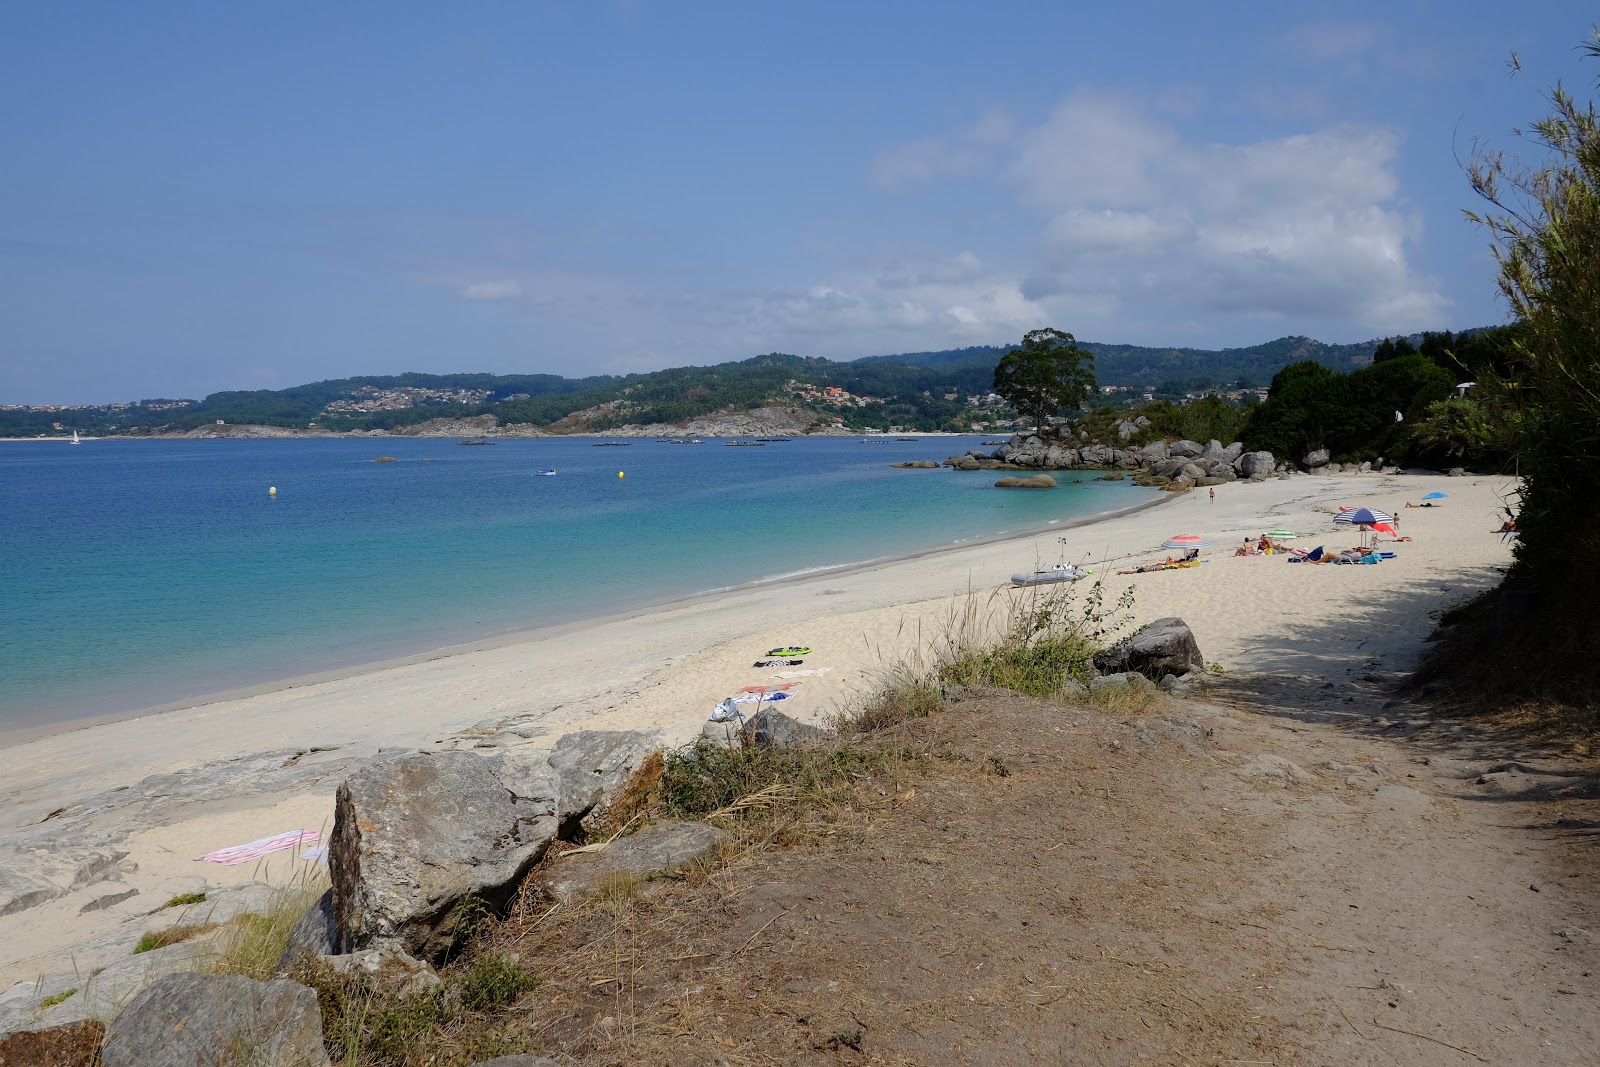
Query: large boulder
(315,933)
(1256,466)
(1154,452)
(592,765)
(1317,457)
(1187,449)
(1033,481)
(1166,646)
(187,1020)
(1096,457)
(1123,459)
(416,835)
(1233,451)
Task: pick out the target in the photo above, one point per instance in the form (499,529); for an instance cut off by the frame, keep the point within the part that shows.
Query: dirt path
(1276,875)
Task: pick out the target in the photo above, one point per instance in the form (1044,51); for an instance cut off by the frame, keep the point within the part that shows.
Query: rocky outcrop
(771,728)
(650,853)
(590,766)
(917,464)
(415,835)
(219,1021)
(1033,481)
(1317,457)
(473,426)
(1256,466)
(1166,646)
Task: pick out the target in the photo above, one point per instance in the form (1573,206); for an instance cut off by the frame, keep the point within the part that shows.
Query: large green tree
(1544,216)
(1048,374)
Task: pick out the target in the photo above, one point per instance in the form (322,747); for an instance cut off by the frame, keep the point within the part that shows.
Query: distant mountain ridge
(916,390)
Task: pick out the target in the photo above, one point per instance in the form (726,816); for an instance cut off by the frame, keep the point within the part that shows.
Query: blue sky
(197,197)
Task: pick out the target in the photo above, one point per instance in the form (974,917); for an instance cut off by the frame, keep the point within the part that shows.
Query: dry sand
(664,670)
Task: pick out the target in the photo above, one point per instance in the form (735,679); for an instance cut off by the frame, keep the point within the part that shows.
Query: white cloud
(505,289)
(1293,228)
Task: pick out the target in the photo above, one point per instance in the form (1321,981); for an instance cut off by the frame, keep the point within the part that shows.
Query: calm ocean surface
(138,572)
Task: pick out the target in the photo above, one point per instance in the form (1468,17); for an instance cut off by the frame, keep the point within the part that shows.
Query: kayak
(1061,572)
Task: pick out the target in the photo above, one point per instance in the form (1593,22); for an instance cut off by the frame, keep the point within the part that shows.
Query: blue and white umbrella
(1436,496)
(1363,517)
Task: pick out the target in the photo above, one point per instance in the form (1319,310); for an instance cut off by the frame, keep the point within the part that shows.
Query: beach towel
(791,650)
(769,688)
(813,672)
(762,698)
(256,849)
(315,855)
(726,712)
(777,663)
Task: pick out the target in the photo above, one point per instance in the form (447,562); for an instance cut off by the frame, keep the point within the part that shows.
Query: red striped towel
(257,849)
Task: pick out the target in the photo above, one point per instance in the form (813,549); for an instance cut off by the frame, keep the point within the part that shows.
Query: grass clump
(492,981)
(172,935)
(1047,640)
(181,900)
(708,779)
(50,1002)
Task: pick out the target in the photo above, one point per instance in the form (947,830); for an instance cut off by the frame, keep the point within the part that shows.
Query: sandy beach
(142,796)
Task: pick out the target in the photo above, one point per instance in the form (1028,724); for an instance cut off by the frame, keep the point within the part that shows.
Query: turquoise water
(138,572)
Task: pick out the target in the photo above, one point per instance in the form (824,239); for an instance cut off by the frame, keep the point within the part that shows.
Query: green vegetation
(52,1001)
(1048,374)
(181,900)
(172,935)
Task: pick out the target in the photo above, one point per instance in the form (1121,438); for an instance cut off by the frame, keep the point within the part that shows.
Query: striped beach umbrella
(1282,535)
(1186,540)
(1363,517)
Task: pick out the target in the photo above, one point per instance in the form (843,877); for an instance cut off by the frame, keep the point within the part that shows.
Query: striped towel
(257,849)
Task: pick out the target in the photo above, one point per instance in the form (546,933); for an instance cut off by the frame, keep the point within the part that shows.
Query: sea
(140,572)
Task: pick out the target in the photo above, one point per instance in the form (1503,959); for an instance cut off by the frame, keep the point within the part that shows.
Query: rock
(1233,451)
(314,934)
(1074,688)
(218,1021)
(773,729)
(415,835)
(725,732)
(920,464)
(1096,457)
(1175,684)
(1256,466)
(1111,681)
(72,1045)
(593,765)
(102,995)
(389,966)
(1187,449)
(1033,481)
(1192,471)
(1317,457)
(1166,646)
(1123,459)
(651,852)
(102,903)
(1168,468)
(1154,452)
(1274,768)
(1456,472)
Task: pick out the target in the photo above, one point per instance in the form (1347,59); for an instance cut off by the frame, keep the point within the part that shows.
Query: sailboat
(75,439)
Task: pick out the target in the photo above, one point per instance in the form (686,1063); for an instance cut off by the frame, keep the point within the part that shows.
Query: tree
(1544,219)
(1047,374)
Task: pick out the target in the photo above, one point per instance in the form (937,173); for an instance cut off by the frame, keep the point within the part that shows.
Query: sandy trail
(159,789)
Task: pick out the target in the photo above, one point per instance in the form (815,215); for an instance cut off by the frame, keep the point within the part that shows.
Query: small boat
(1061,572)
(908,438)
(75,438)
(612,444)
(544,472)
(743,444)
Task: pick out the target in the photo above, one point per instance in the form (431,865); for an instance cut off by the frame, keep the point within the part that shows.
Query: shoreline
(11,736)
(157,788)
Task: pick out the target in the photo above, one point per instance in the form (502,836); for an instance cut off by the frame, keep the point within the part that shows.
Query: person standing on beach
(1213,493)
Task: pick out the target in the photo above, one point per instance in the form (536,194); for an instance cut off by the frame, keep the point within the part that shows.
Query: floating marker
(619,474)
(272,490)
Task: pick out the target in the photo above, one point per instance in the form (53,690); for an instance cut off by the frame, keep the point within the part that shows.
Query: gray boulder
(1233,451)
(1033,481)
(389,966)
(1317,457)
(1154,452)
(1188,449)
(723,732)
(1111,681)
(102,994)
(1256,466)
(415,835)
(315,933)
(773,729)
(1166,646)
(592,766)
(1456,472)
(1096,456)
(650,853)
(188,1020)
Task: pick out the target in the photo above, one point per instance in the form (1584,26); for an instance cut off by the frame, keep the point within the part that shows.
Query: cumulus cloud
(1297,227)
(504,289)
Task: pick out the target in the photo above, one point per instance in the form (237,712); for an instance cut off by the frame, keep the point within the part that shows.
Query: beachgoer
(1213,494)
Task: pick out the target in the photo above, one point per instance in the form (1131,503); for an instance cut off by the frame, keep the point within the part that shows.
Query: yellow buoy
(619,474)
(272,490)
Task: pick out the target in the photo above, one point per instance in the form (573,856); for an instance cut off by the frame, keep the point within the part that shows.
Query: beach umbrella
(1185,541)
(1282,535)
(1363,517)
(1436,496)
